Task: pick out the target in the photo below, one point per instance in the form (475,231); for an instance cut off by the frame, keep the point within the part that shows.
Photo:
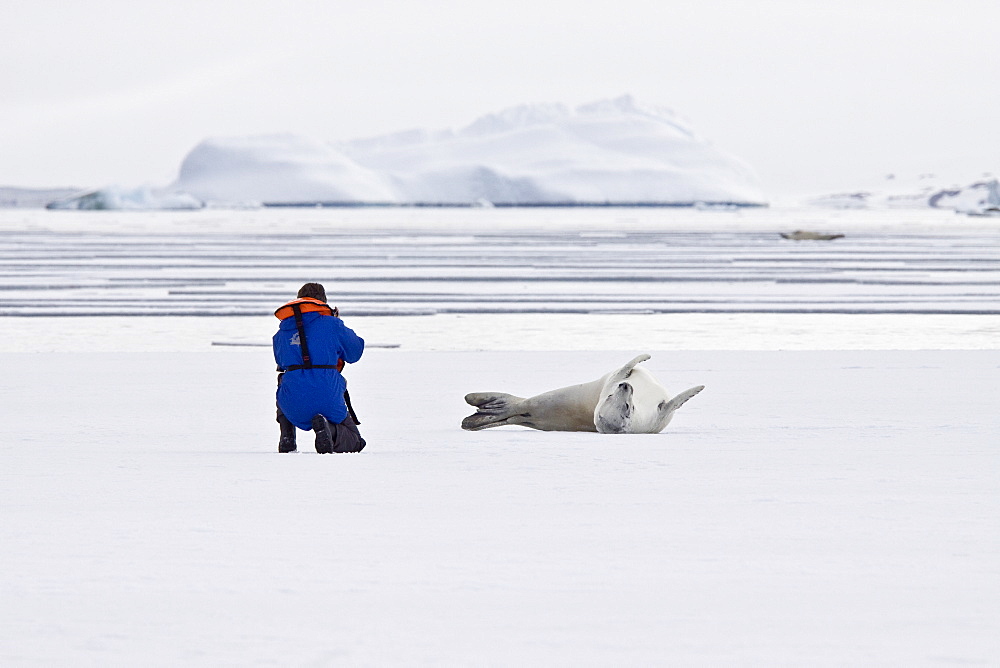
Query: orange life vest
(306,305)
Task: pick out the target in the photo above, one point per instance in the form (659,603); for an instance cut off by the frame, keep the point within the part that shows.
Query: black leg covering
(286,442)
(348,438)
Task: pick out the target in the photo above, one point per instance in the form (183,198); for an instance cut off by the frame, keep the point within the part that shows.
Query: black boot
(324,437)
(286,442)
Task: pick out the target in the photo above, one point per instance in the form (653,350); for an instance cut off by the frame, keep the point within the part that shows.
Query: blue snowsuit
(304,393)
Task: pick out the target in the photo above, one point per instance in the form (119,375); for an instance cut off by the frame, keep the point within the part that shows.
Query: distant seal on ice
(628,400)
(806,235)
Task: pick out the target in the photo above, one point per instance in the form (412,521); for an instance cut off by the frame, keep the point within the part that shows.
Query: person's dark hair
(314,291)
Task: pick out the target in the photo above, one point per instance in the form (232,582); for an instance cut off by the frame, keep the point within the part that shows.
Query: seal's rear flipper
(495,409)
(668,407)
(491,402)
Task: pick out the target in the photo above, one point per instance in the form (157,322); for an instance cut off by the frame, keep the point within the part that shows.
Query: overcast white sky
(814,95)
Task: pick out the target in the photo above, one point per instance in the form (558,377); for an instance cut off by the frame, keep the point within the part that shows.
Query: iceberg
(277,168)
(609,152)
(116,198)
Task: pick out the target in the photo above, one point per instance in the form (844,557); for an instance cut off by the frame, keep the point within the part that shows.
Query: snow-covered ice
(826,508)
(500,261)
(829,499)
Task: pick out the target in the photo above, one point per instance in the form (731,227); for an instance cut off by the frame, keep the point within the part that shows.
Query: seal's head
(614,414)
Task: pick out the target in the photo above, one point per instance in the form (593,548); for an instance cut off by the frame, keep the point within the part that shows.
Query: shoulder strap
(306,360)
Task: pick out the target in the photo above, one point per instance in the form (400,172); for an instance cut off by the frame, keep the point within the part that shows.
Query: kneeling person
(311,346)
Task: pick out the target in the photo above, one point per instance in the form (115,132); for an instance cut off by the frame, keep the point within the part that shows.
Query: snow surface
(610,151)
(832,506)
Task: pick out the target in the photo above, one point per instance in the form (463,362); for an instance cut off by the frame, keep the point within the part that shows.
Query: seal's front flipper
(626,371)
(495,409)
(667,407)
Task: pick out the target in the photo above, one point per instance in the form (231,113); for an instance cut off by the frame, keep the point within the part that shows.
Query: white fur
(628,400)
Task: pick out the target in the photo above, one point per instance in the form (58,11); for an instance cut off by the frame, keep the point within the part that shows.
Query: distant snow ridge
(613,151)
(980,197)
